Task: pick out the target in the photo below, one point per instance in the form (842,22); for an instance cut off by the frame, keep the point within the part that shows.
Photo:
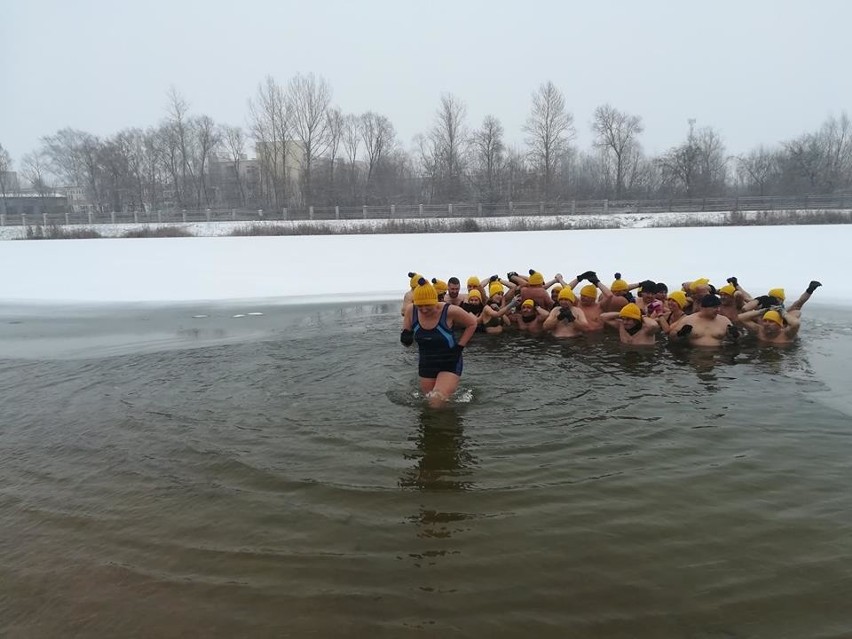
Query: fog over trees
(296,148)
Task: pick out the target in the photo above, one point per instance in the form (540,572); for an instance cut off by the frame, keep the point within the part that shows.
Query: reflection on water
(278,474)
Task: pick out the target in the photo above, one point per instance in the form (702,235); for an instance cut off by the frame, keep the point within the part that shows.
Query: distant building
(235,183)
(32,203)
(9,181)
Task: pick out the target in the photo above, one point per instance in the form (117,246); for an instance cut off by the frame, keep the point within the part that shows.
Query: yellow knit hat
(701,281)
(536,278)
(774,316)
(727,289)
(495,288)
(472,281)
(589,290)
(440,285)
(679,297)
(777,292)
(425,294)
(528,304)
(619,285)
(475,293)
(630,311)
(415,277)
(567,294)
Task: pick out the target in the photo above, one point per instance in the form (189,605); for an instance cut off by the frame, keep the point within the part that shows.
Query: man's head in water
(554,293)
(472,283)
(528,311)
(772,323)
(453,287)
(588,295)
(709,306)
(566,298)
(474,302)
(619,286)
(440,288)
(676,301)
(661,292)
(631,318)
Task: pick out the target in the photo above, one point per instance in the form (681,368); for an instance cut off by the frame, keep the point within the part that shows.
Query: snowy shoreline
(334,268)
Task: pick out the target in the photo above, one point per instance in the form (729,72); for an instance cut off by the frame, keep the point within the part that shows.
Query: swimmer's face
(527,311)
(673,306)
(453,290)
(629,323)
(727,300)
(497,298)
(554,294)
(475,302)
(709,312)
(565,303)
(587,301)
(770,328)
(441,297)
(661,295)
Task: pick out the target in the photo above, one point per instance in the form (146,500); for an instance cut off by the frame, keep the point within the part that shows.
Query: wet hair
(453,280)
(661,288)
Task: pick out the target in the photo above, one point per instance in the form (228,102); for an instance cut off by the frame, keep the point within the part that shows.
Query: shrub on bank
(160,231)
(56,232)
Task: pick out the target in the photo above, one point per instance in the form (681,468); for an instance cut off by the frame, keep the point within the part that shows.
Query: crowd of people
(442,319)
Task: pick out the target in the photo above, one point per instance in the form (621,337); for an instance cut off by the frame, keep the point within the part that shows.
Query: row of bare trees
(299,149)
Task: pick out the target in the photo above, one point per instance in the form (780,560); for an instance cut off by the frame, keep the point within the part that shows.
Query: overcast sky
(760,71)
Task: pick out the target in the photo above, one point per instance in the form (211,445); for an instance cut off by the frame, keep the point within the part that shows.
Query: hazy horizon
(760,73)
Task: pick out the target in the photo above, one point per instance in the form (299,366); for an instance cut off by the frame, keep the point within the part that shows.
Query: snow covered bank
(372,267)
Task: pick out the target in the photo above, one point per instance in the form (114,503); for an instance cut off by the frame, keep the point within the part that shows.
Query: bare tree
(757,168)
(270,128)
(35,170)
(177,110)
(698,167)
(308,100)
(488,153)
(335,138)
(448,144)
(207,139)
(549,129)
(379,137)
(234,143)
(351,142)
(5,178)
(616,134)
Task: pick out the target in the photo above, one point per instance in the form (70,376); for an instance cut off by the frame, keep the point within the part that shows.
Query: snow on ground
(293,269)
(609,220)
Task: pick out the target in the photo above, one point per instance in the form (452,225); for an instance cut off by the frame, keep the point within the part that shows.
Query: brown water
(276,475)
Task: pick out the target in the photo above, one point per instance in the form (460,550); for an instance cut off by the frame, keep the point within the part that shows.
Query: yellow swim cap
(567,294)
(774,316)
(727,289)
(425,294)
(777,292)
(536,279)
(618,286)
(701,281)
(528,304)
(679,297)
(475,293)
(589,290)
(415,277)
(630,311)
(472,281)
(440,285)
(495,288)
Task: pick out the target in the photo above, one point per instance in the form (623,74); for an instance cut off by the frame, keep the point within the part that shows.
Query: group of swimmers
(697,313)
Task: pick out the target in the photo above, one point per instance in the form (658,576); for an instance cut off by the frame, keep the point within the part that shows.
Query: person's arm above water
(460,317)
(406,337)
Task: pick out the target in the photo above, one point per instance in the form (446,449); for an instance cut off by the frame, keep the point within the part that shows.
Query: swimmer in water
(566,320)
(777,325)
(632,327)
(706,327)
(430,323)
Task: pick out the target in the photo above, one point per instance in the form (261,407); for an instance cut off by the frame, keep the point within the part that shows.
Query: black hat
(710,301)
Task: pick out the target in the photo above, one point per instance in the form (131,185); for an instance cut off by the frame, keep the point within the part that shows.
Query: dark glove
(767,301)
(406,337)
(510,275)
(712,289)
(493,278)
(814,285)
(566,314)
(733,332)
(685,330)
(585,275)
(733,280)
(593,278)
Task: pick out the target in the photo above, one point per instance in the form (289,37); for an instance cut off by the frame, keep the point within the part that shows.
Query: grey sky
(759,71)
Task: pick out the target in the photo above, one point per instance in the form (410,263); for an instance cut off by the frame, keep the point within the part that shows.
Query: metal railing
(420,211)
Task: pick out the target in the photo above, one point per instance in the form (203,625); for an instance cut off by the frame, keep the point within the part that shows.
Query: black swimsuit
(436,347)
